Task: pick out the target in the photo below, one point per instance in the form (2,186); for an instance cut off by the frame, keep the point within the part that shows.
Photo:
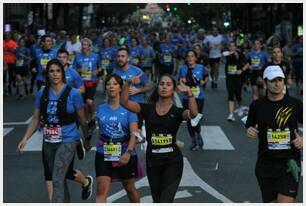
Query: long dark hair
(154,96)
(60,65)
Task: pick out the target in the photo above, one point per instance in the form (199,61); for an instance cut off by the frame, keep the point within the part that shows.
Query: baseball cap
(272,72)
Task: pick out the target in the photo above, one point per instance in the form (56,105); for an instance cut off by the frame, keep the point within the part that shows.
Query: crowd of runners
(140,72)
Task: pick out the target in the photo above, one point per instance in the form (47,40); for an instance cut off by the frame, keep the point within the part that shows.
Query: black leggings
(164,180)
(197,129)
(234,86)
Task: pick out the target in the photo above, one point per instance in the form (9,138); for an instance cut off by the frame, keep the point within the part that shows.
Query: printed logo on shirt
(282,116)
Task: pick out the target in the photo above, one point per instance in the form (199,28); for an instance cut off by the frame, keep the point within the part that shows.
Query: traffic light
(168,7)
(174,8)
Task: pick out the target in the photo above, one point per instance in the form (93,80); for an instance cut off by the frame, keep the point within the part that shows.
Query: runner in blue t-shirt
(43,56)
(196,77)
(297,61)
(88,64)
(135,52)
(107,55)
(167,55)
(22,65)
(116,157)
(256,61)
(58,107)
(147,58)
(140,82)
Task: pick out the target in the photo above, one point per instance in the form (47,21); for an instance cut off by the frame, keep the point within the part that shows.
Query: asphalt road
(223,172)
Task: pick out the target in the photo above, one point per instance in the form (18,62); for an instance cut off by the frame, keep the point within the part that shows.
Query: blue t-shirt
(133,71)
(42,59)
(114,123)
(21,54)
(92,62)
(199,73)
(297,48)
(135,56)
(167,54)
(107,58)
(70,132)
(73,78)
(148,54)
(257,60)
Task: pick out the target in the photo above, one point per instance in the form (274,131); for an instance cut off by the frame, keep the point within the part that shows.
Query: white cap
(272,72)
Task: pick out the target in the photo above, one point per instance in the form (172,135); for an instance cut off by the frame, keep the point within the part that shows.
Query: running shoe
(194,146)
(81,150)
(231,117)
(87,190)
(195,121)
(240,112)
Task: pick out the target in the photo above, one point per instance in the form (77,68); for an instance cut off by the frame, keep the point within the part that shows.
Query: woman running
(164,159)
(116,157)
(196,77)
(59,106)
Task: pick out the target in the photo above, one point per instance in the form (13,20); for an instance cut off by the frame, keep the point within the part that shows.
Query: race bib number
(255,62)
(44,62)
(19,62)
(161,140)
(71,58)
(135,61)
(232,69)
(52,134)
(216,46)
(86,75)
(278,140)
(167,58)
(112,152)
(195,91)
(105,62)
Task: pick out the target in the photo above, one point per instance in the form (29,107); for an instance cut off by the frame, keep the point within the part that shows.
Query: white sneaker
(240,112)
(231,117)
(194,122)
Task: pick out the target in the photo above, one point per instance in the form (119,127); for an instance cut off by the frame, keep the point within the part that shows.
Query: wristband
(129,151)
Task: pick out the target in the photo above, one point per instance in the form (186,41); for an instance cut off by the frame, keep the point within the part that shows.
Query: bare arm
(81,89)
(30,130)
(124,99)
(126,156)
(81,115)
(192,104)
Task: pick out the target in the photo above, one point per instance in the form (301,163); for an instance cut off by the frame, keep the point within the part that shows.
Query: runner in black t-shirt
(274,120)
(234,71)
(163,157)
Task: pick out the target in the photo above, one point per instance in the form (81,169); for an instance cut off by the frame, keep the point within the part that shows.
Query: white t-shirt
(76,47)
(216,43)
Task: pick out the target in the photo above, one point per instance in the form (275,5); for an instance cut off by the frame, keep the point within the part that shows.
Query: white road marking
(215,139)
(179,194)
(189,179)
(18,123)
(35,142)
(7,130)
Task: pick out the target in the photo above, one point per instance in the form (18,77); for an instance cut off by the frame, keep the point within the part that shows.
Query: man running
(88,64)
(274,120)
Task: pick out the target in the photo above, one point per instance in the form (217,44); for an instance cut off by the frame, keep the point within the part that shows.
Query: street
(223,172)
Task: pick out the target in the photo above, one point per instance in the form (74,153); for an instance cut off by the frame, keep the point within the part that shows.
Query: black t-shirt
(234,64)
(276,116)
(164,125)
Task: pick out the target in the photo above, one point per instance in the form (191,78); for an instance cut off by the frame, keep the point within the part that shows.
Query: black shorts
(90,92)
(273,179)
(253,78)
(163,69)
(105,168)
(22,71)
(213,61)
